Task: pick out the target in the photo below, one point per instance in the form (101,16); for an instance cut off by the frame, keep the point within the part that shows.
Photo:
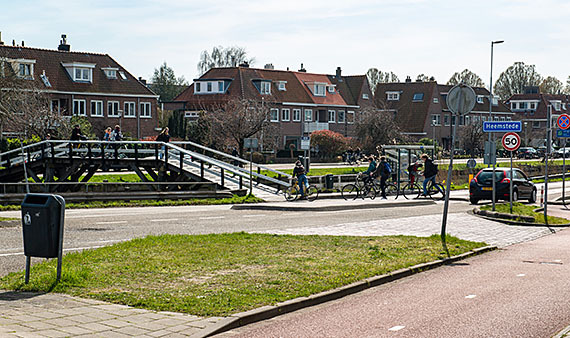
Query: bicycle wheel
(349,192)
(369,191)
(391,189)
(434,192)
(291,193)
(411,191)
(312,193)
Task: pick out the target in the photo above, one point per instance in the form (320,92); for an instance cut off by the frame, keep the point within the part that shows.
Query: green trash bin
(42,225)
(329,181)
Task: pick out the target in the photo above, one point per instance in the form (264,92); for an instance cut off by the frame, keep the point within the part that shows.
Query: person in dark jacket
(76,134)
(430,171)
(164,136)
(299,172)
(384,170)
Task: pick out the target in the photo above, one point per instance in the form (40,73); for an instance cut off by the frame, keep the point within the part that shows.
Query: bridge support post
(222,177)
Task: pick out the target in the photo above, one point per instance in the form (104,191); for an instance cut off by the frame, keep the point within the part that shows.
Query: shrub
(329,143)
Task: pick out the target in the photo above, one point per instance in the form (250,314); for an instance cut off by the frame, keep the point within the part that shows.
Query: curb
(563,333)
(330,207)
(10,224)
(510,222)
(270,311)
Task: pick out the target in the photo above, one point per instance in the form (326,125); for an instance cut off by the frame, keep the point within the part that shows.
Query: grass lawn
(8,219)
(526,210)
(221,274)
(151,203)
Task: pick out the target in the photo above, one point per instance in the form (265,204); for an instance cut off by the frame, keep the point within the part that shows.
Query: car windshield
(486,175)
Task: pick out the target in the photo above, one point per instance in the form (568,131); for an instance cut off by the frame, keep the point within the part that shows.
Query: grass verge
(526,210)
(152,203)
(221,274)
(2,219)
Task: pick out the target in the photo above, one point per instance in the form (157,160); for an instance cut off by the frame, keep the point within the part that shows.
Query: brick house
(531,108)
(87,84)
(420,109)
(300,102)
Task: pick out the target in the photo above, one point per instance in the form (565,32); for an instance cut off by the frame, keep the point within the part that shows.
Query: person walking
(299,172)
(107,134)
(430,171)
(164,136)
(116,135)
(76,134)
(384,170)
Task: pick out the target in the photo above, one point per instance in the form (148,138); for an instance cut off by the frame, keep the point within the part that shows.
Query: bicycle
(433,191)
(363,190)
(292,193)
(412,189)
(391,187)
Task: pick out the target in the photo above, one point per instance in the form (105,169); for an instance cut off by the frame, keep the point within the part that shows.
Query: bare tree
(376,76)
(376,127)
(467,77)
(551,85)
(236,120)
(567,88)
(515,79)
(223,57)
(471,138)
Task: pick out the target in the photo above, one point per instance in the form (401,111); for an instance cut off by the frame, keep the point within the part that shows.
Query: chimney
(408,79)
(244,64)
(338,72)
(1,42)
(432,79)
(143,81)
(269,66)
(302,70)
(23,43)
(63,46)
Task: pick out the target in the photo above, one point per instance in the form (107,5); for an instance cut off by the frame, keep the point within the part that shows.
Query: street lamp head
(497,42)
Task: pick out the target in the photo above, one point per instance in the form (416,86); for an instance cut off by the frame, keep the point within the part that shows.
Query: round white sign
(461,99)
(511,141)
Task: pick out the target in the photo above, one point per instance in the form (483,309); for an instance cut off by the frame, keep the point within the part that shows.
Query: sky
(407,37)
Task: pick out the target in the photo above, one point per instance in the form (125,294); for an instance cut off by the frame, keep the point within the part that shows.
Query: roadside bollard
(542,196)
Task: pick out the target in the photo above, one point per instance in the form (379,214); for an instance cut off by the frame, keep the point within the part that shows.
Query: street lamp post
(491,116)
(525,134)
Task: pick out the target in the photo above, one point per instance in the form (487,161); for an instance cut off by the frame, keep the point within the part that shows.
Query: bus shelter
(402,155)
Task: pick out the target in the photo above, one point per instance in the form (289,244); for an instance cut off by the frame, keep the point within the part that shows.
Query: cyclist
(413,171)
(299,172)
(368,175)
(430,171)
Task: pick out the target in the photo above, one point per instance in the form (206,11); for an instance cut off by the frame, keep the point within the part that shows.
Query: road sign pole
(548,149)
(493,193)
(564,174)
(511,185)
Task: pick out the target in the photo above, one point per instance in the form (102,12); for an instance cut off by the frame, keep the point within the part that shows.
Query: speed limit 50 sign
(511,141)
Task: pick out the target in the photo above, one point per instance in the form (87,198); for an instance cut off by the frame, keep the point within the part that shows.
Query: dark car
(541,151)
(527,152)
(481,186)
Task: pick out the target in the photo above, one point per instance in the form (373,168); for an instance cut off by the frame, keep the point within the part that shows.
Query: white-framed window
(296,115)
(285,114)
(129,109)
(123,75)
(265,87)
(82,74)
(509,118)
(25,70)
(392,96)
(308,115)
(536,124)
(365,96)
(496,118)
(350,117)
(96,108)
(483,118)
(435,100)
(221,86)
(418,97)
(467,119)
(110,73)
(320,89)
(197,87)
(479,99)
(274,114)
(145,109)
(282,86)
(332,116)
(330,89)
(533,105)
(209,87)
(113,108)
(79,108)
(436,120)
(341,116)
(502,119)
(446,120)
(55,107)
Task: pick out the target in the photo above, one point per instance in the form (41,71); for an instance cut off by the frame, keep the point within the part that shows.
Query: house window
(145,109)
(82,74)
(25,70)
(502,119)
(320,89)
(265,87)
(96,108)
(479,99)
(392,96)
(308,115)
(197,87)
(110,73)
(274,114)
(341,116)
(221,86)
(365,96)
(557,106)
(330,89)
(436,120)
(350,117)
(435,100)
(129,109)
(467,120)
(79,108)
(418,97)
(446,120)
(296,115)
(536,124)
(285,114)
(522,105)
(483,118)
(123,75)
(113,109)
(496,118)
(209,87)
(533,105)
(281,86)
(332,115)
(55,106)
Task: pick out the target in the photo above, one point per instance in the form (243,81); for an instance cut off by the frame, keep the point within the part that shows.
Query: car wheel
(473,200)
(532,198)
(515,195)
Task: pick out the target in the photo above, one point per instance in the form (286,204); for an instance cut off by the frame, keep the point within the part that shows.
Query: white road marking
(396,328)
(115,222)
(521,275)
(251,216)
(72,249)
(470,296)
(212,217)
(558,260)
(164,220)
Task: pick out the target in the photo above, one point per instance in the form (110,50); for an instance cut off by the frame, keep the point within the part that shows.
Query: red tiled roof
(51,61)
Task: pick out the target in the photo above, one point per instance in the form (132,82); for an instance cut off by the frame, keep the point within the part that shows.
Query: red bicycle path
(522,290)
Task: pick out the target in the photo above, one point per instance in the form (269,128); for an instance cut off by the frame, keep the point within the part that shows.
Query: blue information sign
(502,127)
(563,133)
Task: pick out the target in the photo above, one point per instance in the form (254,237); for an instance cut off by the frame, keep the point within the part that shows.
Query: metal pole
(564,173)
(28,261)
(548,142)
(250,171)
(510,185)
(491,115)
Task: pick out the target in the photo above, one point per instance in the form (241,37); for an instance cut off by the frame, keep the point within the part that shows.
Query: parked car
(562,152)
(527,152)
(481,186)
(541,151)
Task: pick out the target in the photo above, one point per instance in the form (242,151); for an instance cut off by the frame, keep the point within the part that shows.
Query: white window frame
(97,108)
(28,66)
(209,87)
(197,87)
(332,116)
(129,109)
(221,86)
(320,89)
(110,73)
(285,114)
(282,86)
(308,113)
(265,87)
(350,112)
(365,96)
(446,120)
(113,108)
(145,110)
(436,119)
(435,100)
(480,99)
(296,115)
(81,106)
(392,96)
(339,115)
(274,114)
(330,89)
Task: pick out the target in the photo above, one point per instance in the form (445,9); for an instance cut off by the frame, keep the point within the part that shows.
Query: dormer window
(110,73)
(211,86)
(281,86)
(319,89)
(479,99)
(123,75)
(26,69)
(330,89)
(265,87)
(365,96)
(418,97)
(80,72)
(392,96)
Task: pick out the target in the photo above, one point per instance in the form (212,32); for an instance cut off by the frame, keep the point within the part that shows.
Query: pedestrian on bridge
(164,136)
